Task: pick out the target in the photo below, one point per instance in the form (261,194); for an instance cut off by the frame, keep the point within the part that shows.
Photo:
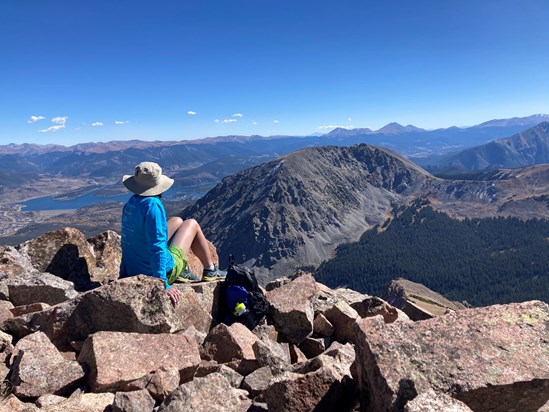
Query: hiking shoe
(187,277)
(210,275)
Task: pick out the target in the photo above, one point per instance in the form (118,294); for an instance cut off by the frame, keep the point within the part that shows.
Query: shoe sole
(213,278)
(184,280)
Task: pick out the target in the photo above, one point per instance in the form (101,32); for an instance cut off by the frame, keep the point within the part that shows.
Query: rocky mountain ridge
(320,349)
(522,149)
(294,211)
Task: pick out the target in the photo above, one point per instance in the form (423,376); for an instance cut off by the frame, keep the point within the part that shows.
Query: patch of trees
(482,261)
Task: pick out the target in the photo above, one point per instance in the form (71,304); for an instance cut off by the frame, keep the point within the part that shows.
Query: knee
(191,223)
(176,221)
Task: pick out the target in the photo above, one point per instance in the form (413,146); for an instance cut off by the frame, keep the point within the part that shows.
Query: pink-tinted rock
(208,367)
(84,402)
(493,358)
(33,287)
(233,345)
(432,401)
(208,295)
(292,310)
(374,306)
(117,359)
(12,404)
(140,304)
(322,326)
(257,381)
(212,393)
(12,263)
(39,369)
(135,401)
(64,253)
(343,317)
(108,254)
(33,307)
(321,384)
(162,382)
(5,310)
(49,400)
(296,356)
(196,335)
(191,311)
(312,347)
(344,354)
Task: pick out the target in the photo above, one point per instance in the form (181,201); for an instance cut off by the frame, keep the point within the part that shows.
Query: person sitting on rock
(155,246)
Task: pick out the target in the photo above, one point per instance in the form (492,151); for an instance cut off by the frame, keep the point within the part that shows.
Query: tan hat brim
(131,184)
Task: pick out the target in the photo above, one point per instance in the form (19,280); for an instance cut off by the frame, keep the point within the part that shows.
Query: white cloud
(254,122)
(229,121)
(97,124)
(350,119)
(216,121)
(275,121)
(237,115)
(191,113)
(34,119)
(60,120)
(121,122)
(331,126)
(52,129)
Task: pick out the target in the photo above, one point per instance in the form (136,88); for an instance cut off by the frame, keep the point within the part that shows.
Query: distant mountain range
(389,129)
(522,149)
(210,159)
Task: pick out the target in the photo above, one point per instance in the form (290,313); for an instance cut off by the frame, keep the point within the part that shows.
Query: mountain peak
(343,132)
(396,128)
(516,121)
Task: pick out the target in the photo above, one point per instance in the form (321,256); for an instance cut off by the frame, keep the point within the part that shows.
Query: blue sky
(74,71)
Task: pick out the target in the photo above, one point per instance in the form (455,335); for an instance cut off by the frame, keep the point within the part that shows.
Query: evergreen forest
(481,261)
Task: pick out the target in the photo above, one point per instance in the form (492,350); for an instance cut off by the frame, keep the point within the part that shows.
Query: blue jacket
(145,239)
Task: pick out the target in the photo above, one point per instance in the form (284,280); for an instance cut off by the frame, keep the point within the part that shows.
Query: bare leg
(173,224)
(189,236)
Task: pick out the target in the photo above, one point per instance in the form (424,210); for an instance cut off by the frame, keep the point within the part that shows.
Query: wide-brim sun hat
(148,180)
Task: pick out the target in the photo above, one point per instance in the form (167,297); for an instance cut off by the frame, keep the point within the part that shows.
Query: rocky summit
(114,344)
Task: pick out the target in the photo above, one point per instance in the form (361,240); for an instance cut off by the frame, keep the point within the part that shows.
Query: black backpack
(241,287)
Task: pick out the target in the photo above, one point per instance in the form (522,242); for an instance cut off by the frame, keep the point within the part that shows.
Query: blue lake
(91,198)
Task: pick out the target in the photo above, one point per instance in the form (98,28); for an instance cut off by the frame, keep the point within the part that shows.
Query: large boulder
(39,369)
(64,253)
(83,402)
(116,359)
(343,317)
(198,305)
(492,359)
(135,401)
(137,304)
(292,309)
(432,401)
(212,393)
(321,384)
(233,345)
(11,403)
(34,286)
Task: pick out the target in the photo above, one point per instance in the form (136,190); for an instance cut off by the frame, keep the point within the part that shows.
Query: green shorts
(179,263)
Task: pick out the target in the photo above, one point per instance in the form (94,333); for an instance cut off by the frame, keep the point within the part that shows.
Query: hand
(174,295)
